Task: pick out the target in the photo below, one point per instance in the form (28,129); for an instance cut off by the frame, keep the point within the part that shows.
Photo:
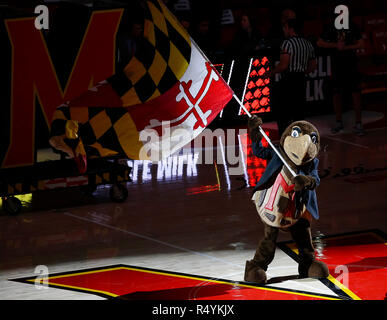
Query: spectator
(246,39)
(287,14)
(184,19)
(129,39)
(345,75)
(203,37)
(297,58)
(276,34)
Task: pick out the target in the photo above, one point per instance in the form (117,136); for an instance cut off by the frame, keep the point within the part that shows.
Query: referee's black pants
(290,105)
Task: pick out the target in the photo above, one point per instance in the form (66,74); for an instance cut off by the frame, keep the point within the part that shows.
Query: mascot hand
(304,182)
(253,125)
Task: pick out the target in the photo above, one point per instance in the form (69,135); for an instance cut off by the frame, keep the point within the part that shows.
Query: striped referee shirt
(300,51)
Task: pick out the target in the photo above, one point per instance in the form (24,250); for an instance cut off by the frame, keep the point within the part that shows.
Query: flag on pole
(168,87)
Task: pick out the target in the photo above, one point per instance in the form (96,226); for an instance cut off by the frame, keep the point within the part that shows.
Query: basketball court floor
(187,229)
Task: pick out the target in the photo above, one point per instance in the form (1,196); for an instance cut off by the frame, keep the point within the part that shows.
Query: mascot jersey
(276,179)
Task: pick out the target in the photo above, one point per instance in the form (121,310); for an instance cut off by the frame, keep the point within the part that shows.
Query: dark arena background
(109,226)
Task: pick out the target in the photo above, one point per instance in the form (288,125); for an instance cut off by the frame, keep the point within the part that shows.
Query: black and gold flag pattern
(158,64)
(160,60)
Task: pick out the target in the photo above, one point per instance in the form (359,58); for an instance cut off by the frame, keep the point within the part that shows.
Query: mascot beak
(299,150)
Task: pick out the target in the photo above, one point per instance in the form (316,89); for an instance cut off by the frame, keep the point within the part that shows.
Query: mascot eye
(313,137)
(295,132)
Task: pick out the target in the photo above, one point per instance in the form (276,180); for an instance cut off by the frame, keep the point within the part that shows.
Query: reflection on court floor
(187,229)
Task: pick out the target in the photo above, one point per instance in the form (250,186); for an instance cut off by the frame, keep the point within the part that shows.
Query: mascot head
(300,142)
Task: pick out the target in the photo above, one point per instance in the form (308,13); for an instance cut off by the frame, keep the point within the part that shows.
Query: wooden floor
(199,221)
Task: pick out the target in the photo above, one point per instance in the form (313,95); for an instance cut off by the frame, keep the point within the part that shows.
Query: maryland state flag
(163,98)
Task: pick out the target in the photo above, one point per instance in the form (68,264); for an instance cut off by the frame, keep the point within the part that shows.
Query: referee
(297,59)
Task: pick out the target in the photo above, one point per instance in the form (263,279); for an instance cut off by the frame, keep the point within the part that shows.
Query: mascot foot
(317,269)
(254,273)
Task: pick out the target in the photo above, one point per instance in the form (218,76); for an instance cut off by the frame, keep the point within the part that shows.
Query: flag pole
(266,137)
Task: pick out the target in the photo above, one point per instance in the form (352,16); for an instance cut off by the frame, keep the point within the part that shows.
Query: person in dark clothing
(246,38)
(129,44)
(203,36)
(297,59)
(184,18)
(345,75)
(130,35)
(276,34)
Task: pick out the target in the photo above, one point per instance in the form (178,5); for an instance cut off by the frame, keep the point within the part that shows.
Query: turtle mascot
(286,202)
